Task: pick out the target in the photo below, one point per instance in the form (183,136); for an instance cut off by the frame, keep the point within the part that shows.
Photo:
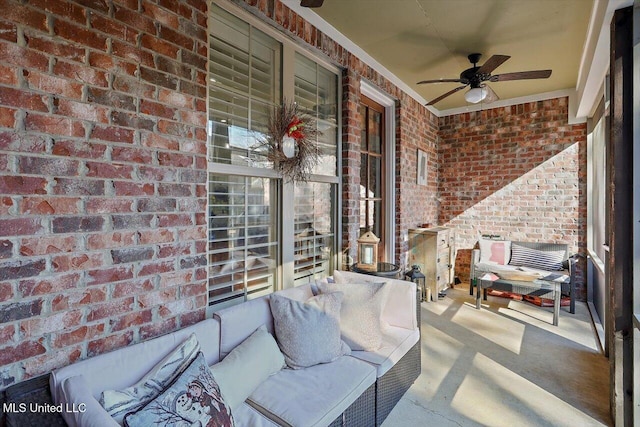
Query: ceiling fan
(476,76)
(311,3)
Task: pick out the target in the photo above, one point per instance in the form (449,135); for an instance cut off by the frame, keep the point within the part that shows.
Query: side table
(385,269)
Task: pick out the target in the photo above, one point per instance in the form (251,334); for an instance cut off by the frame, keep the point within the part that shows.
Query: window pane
(375,131)
(244,66)
(314,231)
(243,233)
(316,93)
(363,127)
(375,174)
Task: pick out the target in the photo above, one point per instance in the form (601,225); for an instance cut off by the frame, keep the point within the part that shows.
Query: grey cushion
(360,313)
(308,332)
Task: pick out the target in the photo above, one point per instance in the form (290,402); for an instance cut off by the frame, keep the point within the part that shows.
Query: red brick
(6,292)
(48,362)
(47,166)
(59,49)
(44,286)
(110,308)
(109,170)
(130,154)
(77,335)
(80,35)
(54,85)
(49,205)
(152,299)
(83,111)
(36,327)
(131,288)
(20,226)
(113,274)
(130,320)
(158,328)
(48,245)
(124,188)
(22,185)
(81,299)
(23,57)
(156,267)
(24,350)
(54,125)
(112,134)
(63,263)
(112,342)
(110,240)
(23,99)
(8,32)
(81,149)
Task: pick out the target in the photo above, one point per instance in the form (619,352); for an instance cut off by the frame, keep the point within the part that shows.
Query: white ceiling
(430,39)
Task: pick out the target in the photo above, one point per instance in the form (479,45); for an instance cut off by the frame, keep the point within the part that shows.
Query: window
(243,250)
(245,80)
(596,188)
(264,233)
(372,177)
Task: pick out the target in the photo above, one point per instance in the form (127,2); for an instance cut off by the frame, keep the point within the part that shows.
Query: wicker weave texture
(394,384)
(361,413)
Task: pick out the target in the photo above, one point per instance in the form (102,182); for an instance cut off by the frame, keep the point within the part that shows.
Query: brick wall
(517,171)
(102,177)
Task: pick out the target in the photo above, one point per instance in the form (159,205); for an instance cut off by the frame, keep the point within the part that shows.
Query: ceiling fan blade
(451,92)
(442,81)
(311,3)
(522,75)
(492,63)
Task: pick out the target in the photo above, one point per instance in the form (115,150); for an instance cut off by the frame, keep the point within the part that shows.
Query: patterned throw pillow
(542,260)
(495,251)
(361,312)
(308,333)
(120,402)
(193,399)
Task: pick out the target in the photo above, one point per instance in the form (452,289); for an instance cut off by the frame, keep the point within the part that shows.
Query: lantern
(416,276)
(368,251)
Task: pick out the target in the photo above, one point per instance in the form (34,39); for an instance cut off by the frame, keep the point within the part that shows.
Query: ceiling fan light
(475,95)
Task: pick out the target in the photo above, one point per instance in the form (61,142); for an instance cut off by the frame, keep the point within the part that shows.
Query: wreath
(290,139)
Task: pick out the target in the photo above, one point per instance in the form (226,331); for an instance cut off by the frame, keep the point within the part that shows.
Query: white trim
(374,93)
(571,93)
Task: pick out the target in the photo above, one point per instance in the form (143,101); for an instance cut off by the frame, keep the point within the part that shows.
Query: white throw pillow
(360,313)
(342,277)
(247,366)
(120,402)
(495,251)
(308,333)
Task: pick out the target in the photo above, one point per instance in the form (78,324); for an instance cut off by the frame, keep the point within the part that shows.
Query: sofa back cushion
(123,367)
(238,322)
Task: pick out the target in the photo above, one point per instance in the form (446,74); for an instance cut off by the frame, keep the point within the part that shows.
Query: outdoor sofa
(359,389)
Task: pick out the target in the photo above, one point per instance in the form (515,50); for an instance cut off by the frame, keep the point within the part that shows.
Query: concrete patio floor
(505,365)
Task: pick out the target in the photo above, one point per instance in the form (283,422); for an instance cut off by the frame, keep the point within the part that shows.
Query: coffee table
(540,288)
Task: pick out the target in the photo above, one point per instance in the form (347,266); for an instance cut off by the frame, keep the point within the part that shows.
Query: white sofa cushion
(402,296)
(89,412)
(119,403)
(125,366)
(360,313)
(315,396)
(308,332)
(248,416)
(396,342)
(246,366)
(239,321)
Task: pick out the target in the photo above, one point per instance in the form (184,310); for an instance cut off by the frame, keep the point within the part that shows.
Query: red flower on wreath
(294,129)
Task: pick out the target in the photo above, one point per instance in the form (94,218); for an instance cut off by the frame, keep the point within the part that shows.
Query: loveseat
(356,388)
(543,270)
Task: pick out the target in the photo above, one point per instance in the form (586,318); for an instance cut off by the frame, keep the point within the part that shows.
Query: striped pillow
(542,260)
